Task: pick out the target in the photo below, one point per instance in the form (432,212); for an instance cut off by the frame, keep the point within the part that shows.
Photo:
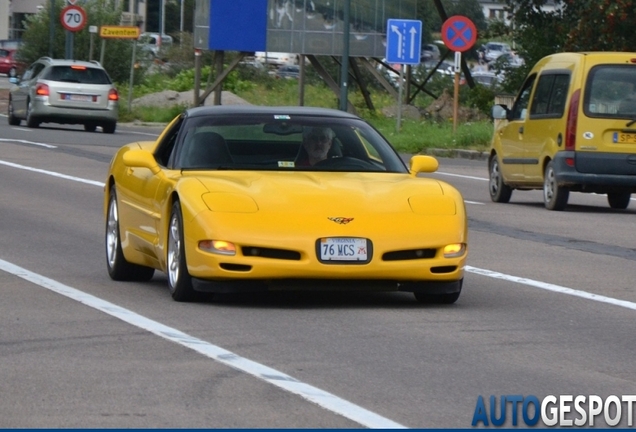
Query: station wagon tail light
(573,114)
(454,250)
(113,95)
(42,90)
(218,246)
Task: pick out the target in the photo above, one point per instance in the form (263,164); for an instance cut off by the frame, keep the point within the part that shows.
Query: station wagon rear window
(78,74)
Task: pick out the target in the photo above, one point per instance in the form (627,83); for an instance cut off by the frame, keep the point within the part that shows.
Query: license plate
(624,138)
(78,98)
(343,249)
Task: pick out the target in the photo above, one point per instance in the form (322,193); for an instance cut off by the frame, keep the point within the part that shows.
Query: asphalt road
(547,309)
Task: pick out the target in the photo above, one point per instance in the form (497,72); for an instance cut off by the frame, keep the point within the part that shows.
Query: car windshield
(283,143)
(4,53)
(78,74)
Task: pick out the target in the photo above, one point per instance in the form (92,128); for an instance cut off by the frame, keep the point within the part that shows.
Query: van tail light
(42,90)
(113,95)
(573,116)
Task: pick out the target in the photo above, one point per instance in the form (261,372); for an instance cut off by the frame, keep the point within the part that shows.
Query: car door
(142,195)
(546,125)
(20,93)
(511,136)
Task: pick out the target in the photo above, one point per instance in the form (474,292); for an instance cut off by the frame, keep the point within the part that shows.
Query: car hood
(320,192)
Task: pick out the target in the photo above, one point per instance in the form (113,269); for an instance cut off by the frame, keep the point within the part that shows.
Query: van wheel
(619,200)
(499,191)
(555,197)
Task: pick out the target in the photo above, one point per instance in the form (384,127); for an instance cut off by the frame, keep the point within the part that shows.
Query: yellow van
(572,127)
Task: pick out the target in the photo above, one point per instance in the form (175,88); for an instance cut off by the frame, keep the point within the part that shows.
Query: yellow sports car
(240,198)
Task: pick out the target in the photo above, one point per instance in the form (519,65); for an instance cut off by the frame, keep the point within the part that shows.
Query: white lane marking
(279,379)
(27,142)
(142,133)
(51,173)
(474,202)
(552,287)
(462,176)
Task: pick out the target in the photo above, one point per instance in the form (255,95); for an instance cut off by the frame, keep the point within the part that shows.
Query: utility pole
(344,64)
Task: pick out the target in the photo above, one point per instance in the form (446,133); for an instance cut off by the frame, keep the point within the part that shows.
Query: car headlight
(454,250)
(218,246)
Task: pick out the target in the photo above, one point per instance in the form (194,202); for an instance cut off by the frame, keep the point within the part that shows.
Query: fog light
(454,250)
(218,246)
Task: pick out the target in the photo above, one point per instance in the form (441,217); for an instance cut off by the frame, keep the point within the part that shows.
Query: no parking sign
(459,33)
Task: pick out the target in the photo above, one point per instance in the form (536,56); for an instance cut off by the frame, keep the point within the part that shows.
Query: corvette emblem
(340,220)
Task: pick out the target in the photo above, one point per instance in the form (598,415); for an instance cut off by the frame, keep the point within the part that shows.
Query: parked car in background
(66,92)
(430,52)
(288,72)
(486,78)
(494,49)
(276,58)
(9,65)
(150,43)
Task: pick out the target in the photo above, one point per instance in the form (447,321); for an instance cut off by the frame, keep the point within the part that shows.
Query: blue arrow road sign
(403,41)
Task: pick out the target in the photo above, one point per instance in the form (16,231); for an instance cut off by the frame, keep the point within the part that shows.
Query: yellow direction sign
(119,32)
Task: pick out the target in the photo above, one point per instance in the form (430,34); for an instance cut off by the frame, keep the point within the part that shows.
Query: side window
(550,96)
(165,150)
(520,107)
(559,95)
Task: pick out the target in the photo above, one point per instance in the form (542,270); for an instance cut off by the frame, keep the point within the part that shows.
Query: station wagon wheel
(13,120)
(119,268)
(555,197)
(179,280)
(109,127)
(619,200)
(30,120)
(90,127)
(499,191)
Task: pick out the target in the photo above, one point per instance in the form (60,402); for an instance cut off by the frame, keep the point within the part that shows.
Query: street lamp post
(344,67)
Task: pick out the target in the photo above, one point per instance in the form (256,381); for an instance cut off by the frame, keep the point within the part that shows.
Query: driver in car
(316,145)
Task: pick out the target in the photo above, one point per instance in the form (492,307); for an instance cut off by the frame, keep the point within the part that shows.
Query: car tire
(90,127)
(179,280)
(424,297)
(119,268)
(31,121)
(12,119)
(619,200)
(499,191)
(555,197)
(13,72)
(109,127)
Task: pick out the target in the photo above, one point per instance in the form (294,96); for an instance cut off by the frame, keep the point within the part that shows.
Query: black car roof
(280,110)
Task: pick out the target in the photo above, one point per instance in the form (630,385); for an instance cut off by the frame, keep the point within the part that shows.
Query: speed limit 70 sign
(73,18)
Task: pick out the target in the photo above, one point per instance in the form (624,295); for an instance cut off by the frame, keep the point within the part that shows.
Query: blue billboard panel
(238,25)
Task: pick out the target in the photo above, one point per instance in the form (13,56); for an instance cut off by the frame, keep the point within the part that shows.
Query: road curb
(457,153)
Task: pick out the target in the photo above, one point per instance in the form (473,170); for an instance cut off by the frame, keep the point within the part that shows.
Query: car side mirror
(14,80)
(499,112)
(423,164)
(141,159)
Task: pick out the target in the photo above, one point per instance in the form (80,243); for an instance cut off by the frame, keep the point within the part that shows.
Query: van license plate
(343,249)
(624,138)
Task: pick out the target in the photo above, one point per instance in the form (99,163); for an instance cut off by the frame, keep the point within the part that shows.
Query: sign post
(459,34)
(404,47)
(122,32)
(73,19)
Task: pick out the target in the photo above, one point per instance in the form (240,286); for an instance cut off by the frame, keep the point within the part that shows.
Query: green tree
(36,38)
